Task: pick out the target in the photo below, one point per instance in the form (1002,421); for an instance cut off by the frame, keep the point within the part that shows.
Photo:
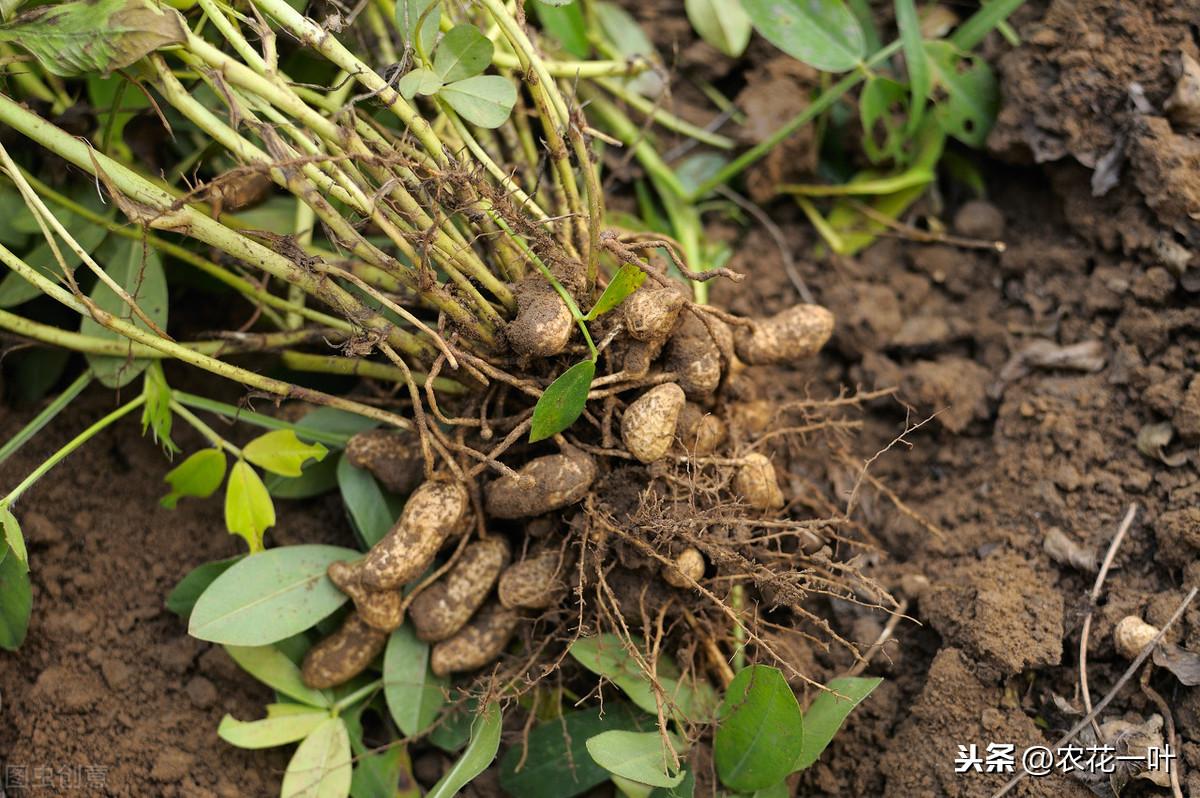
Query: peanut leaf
(484,100)
(463,53)
(321,766)
(182,598)
(413,694)
(156,413)
(420,81)
(821,33)
(198,476)
(82,37)
(249,511)
(970,96)
(760,731)
(638,756)
(722,23)
(273,668)
(281,452)
(562,402)
(920,82)
(627,280)
(411,13)
(16,602)
(827,713)
(270,732)
(485,742)
(13,540)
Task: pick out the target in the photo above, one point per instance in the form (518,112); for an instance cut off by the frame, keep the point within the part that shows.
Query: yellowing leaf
(199,475)
(248,508)
(281,452)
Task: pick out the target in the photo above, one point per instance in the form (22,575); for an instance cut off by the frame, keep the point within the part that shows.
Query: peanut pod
(535,582)
(380,609)
(434,511)
(755,482)
(392,457)
(445,606)
(476,644)
(648,425)
(687,569)
(557,480)
(343,655)
(543,324)
(789,335)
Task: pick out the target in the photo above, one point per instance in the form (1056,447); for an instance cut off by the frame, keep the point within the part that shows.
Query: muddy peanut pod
(700,433)
(343,655)
(755,482)
(445,606)
(555,481)
(638,356)
(789,335)
(1131,635)
(477,643)
(688,568)
(651,313)
(392,457)
(535,582)
(695,358)
(648,426)
(543,324)
(380,609)
(434,512)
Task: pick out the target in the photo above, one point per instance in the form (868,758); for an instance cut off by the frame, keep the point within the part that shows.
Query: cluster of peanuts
(471,612)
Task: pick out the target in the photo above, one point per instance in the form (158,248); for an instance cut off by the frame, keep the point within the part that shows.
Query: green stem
(74,444)
(257,419)
(818,106)
(46,416)
(356,696)
(354,367)
(577,69)
(737,600)
(664,117)
(205,430)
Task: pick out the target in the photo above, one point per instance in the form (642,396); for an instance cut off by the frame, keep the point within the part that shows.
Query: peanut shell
(343,655)
(755,482)
(445,606)
(648,425)
(476,644)
(379,609)
(535,582)
(558,480)
(434,511)
(786,337)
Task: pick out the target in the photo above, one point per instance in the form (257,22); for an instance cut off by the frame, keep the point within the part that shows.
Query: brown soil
(1014,448)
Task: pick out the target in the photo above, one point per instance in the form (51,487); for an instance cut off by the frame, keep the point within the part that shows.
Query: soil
(1014,437)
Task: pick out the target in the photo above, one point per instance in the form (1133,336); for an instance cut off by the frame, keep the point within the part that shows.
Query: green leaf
(485,741)
(484,100)
(722,23)
(321,766)
(199,476)
(827,713)
(627,280)
(317,478)
(564,23)
(14,541)
(10,7)
(15,289)
(182,599)
(80,37)
(638,756)
(366,503)
(156,413)
(138,270)
(270,596)
(463,53)
(249,511)
(920,82)
(411,13)
(270,732)
(331,424)
(273,668)
(605,655)
(695,170)
(556,3)
(281,452)
(116,101)
(16,602)
(627,36)
(821,33)
(880,108)
(982,22)
(971,95)
(779,790)
(414,695)
(454,729)
(556,761)
(376,773)
(419,81)
(562,402)
(760,730)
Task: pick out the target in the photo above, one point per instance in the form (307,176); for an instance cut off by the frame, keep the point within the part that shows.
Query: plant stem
(46,416)
(205,430)
(664,117)
(355,367)
(74,444)
(356,696)
(257,419)
(818,106)
(737,600)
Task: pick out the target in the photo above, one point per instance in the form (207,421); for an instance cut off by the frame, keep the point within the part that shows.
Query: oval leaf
(638,756)
(16,601)
(321,767)
(463,53)
(12,536)
(821,33)
(414,695)
(366,502)
(827,713)
(270,596)
(485,742)
(199,475)
(281,452)
(249,511)
(972,97)
(920,82)
(275,669)
(760,731)
(183,597)
(624,282)
(270,732)
(484,100)
(722,23)
(411,13)
(420,81)
(562,402)
(138,270)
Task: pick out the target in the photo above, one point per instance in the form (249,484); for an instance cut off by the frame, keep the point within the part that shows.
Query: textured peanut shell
(755,482)
(392,456)
(688,568)
(535,582)
(700,433)
(445,606)
(434,511)
(543,324)
(379,609)
(476,644)
(648,425)
(651,313)
(343,655)
(638,356)
(558,480)
(789,335)
(1131,635)
(695,358)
